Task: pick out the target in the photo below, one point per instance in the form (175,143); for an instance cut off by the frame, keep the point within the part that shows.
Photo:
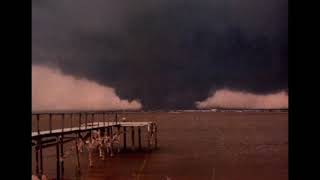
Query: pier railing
(48,121)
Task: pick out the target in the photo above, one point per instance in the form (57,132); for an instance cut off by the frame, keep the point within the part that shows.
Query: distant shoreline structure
(162,110)
(220,110)
(233,110)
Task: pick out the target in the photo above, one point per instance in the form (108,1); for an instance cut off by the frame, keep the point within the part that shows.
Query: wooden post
(62,156)
(38,128)
(50,123)
(148,134)
(79,121)
(62,123)
(107,119)
(104,120)
(86,119)
(124,138)
(139,137)
(37,159)
(98,122)
(78,159)
(116,118)
(132,136)
(156,136)
(58,159)
(92,116)
(102,132)
(41,159)
(71,117)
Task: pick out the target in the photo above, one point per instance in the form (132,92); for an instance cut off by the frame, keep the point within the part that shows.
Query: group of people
(106,144)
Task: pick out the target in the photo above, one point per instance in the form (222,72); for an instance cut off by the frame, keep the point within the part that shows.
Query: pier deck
(94,126)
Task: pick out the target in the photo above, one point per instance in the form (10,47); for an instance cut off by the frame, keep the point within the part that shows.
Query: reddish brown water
(198,145)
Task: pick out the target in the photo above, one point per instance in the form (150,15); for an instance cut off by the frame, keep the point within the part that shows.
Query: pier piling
(148,139)
(50,123)
(139,137)
(77,156)
(132,137)
(41,159)
(37,159)
(62,156)
(58,158)
(38,128)
(124,138)
(156,136)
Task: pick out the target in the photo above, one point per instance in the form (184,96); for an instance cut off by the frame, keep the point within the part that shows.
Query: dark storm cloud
(169,54)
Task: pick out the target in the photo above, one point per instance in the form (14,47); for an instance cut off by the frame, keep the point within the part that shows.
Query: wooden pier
(75,126)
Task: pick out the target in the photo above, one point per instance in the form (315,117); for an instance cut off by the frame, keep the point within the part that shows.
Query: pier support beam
(37,159)
(139,137)
(102,132)
(62,156)
(116,118)
(149,138)
(78,158)
(108,131)
(58,159)
(124,138)
(132,137)
(156,136)
(41,159)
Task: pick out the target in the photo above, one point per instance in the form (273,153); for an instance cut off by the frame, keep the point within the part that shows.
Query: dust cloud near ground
(226,98)
(53,90)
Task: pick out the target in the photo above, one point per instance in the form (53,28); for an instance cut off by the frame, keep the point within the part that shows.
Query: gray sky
(168,54)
